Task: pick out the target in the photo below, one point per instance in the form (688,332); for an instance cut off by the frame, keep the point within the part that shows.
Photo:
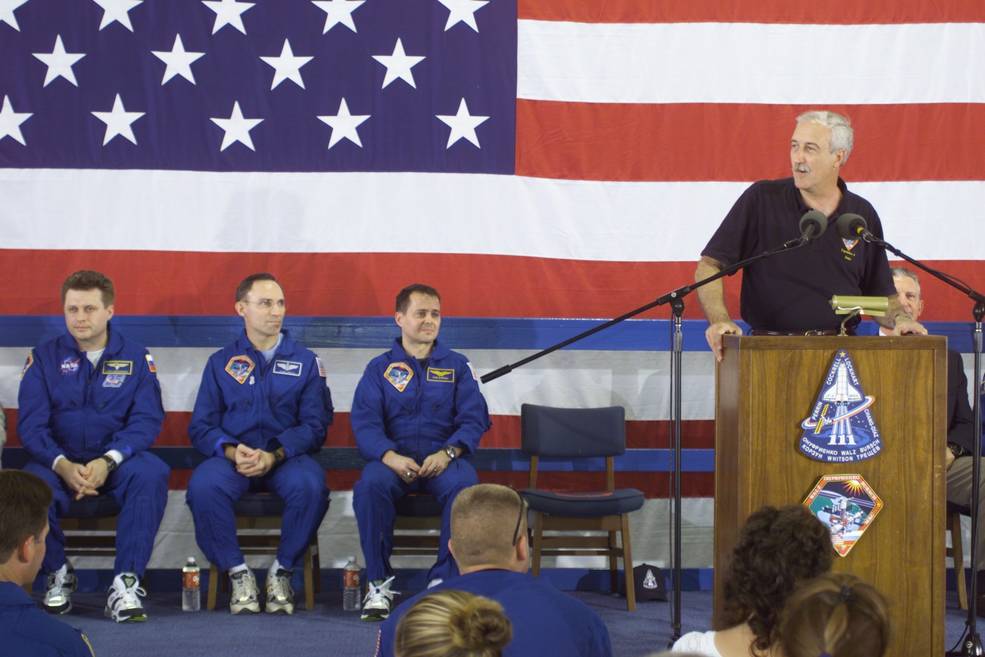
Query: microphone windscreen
(813,224)
(851,225)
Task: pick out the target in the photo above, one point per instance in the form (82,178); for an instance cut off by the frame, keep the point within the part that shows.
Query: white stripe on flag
(497,215)
(750,63)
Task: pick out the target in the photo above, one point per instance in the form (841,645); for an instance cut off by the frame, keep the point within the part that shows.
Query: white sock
(63,570)
(275,566)
(238,569)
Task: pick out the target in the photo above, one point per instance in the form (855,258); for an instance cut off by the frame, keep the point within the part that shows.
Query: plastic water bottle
(191,599)
(351,589)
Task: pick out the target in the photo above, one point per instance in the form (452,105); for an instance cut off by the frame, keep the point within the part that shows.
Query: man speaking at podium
(789,294)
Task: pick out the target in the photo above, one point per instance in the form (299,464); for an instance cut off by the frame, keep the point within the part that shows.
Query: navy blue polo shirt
(792,291)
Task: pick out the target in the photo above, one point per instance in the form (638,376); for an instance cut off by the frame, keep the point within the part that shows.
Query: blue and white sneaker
(58,596)
(123,604)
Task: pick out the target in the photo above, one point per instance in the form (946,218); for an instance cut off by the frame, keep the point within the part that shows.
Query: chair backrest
(572,432)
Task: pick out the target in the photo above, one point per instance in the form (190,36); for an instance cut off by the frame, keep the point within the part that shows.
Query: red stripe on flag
(347,285)
(712,142)
(761,11)
(505,432)
(168,283)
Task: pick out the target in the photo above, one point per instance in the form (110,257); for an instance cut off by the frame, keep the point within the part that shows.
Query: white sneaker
(245,596)
(378,601)
(61,584)
(280,595)
(123,604)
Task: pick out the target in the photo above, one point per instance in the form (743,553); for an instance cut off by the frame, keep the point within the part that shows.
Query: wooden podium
(765,388)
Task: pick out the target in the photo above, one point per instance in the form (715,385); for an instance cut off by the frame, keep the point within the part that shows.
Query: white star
(287,66)
(178,60)
(338,11)
(118,122)
(398,65)
(59,62)
(462,11)
(462,125)
(10,122)
(236,128)
(117,10)
(344,125)
(7,8)
(228,12)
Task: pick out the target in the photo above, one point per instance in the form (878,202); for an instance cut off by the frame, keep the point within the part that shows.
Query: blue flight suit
(414,409)
(26,630)
(545,621)
(264,405)
(71,408)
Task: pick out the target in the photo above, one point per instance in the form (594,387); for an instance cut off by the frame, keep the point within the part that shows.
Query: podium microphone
(852,226)
(812,225)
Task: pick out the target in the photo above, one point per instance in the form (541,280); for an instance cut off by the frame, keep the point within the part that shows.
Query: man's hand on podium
(714,333)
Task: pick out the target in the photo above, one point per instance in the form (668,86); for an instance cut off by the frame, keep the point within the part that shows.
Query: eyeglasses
(519,518)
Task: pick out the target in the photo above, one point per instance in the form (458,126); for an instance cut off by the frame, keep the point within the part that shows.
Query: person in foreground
(777,549)
(262,410)
(789,294)
(90,408)
(418,415)
(25,629)
(453,624)
(835,615)
(489,542)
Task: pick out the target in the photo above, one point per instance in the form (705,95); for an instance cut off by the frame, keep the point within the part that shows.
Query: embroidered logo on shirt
(441,375)
(70,365)
(151,366)
(321,367)
(27,364)
(123,367)
(114,380)
(287,367)
(847,252)
(240,367)
(399,375)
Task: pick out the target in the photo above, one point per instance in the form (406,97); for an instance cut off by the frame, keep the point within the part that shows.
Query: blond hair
(453,624)
(835,614)
(483,520)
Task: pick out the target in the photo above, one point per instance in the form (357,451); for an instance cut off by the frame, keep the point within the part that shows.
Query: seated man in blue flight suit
(90,407)
(416,411)
(25,629)
(489,541)
(263,409)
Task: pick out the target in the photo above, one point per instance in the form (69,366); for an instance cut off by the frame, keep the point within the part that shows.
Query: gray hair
(842,135)
(903,272)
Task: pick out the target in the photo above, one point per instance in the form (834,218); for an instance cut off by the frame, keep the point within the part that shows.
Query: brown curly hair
(777,549)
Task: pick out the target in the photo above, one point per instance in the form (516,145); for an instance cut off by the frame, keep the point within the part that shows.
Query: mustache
(802,168)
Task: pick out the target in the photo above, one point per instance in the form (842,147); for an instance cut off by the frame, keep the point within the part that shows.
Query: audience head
(24,502)
(453,624)
(777,549)
(489,529)
(836,615)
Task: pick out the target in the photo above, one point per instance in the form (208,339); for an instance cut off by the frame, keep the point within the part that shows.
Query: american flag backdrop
(541,162)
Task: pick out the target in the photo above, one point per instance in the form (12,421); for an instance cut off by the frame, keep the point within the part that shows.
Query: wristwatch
(111,464)
(450,451)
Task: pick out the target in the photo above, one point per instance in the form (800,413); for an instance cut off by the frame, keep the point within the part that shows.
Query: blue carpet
(327,631)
